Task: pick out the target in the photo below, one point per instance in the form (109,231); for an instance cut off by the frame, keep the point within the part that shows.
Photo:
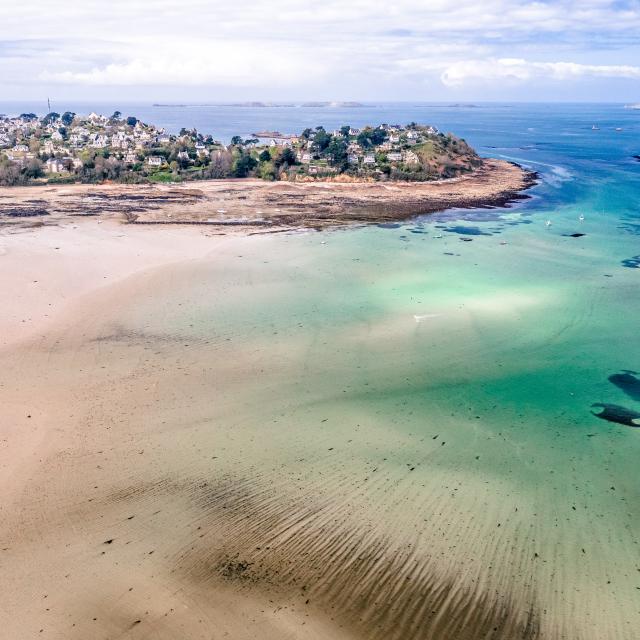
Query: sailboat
(595,127)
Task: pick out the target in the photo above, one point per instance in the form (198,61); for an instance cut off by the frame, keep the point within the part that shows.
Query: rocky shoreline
(238,205)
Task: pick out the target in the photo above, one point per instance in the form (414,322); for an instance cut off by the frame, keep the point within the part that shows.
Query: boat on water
(595,127)
(548,223)
(581,217)
(633,106)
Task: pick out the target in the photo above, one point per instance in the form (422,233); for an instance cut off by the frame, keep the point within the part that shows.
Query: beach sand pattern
(371,433)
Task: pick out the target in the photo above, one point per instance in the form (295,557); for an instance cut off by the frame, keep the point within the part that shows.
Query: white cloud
(516,69)
(193,64)
(335,47)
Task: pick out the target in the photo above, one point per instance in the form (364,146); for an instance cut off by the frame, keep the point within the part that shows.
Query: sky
(287,50)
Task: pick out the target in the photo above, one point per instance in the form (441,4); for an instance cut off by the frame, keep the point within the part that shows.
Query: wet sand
(200,438)
(258,206)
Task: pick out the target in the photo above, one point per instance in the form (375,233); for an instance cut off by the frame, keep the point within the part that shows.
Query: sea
(463,386)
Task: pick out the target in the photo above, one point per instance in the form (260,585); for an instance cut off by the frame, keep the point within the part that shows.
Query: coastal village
(67,148)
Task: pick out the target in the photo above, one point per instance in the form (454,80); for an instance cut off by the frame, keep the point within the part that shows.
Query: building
(394,156)
(369,159)
(155,161)
(53,165)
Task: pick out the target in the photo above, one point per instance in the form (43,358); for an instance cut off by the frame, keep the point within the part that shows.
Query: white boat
(595,127)
(548,223)
(581,217)
(633,106)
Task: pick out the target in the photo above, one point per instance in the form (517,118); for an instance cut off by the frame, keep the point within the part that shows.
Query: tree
(287,157)
(306,134)
(337,149)
(236,141)
(242,165)
(131,121)
(345,130)
(116,115)
(264,156)
(268,171)
(321,139)
(67,118)
(51,117)
(34,169)
(28,116)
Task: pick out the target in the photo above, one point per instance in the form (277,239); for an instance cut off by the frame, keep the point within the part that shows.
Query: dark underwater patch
(574,235)
(630,227)
(632,263)
(636,157)
(389,225)
(618,414)
(466,231)
(628,382)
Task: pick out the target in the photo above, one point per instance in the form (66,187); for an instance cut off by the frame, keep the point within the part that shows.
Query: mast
(49,104)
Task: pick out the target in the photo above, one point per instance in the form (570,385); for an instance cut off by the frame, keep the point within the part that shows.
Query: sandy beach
(204,436)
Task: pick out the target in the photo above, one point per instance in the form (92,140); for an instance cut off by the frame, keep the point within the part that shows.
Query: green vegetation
(95,148)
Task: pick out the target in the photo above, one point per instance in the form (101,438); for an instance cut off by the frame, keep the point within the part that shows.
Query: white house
(352,159)
(130,158)
(155,161)
(369,159)
(54,165)
(394,156)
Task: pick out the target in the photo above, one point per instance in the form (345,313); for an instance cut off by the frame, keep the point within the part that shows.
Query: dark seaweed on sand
(628,382)
(618,414)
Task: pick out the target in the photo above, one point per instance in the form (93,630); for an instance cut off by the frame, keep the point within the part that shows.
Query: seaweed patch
(628,382)
(618,414)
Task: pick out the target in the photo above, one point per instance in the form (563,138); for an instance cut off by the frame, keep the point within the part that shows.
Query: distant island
(69,148)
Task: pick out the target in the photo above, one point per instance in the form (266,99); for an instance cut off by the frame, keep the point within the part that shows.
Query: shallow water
(425,454)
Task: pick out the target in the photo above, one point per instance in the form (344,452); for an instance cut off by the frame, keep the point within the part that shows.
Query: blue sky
(215,50)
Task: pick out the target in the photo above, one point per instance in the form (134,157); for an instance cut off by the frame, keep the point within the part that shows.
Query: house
(48,147)
(306,158)
(183,155)
(155,161)
(164,139)
(394,139)
(354,132)
(394,156)
(353,159)
(130,158)
(21,148)
(369,159)
(54,165)
(99,141)
(77,163)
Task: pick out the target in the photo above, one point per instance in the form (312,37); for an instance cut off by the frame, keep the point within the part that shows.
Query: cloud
(351,49)
(192,64)
(516,69)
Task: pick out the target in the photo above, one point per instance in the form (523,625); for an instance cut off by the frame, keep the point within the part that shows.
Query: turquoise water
(427,388)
